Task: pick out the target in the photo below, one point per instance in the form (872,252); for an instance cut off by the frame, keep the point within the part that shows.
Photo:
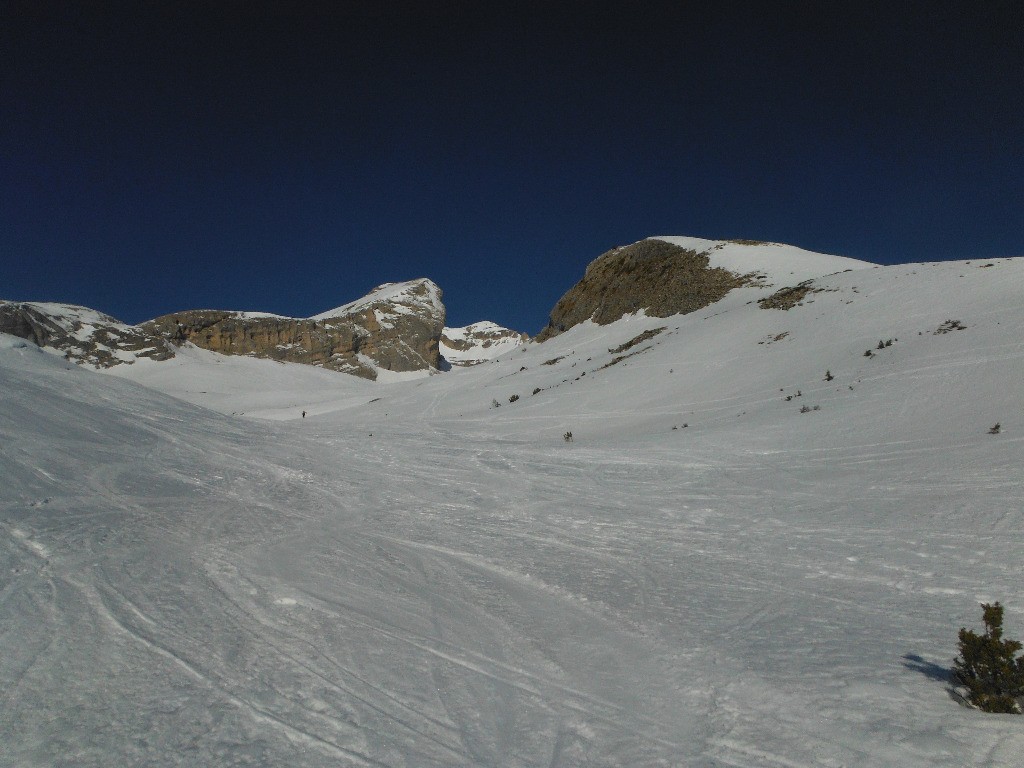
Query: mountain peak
(421,294)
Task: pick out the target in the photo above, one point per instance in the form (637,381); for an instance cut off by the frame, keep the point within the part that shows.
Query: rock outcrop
(478,343)
(292,340)
(83,335)
(396,327)
(399,325)
(652,275)
(788,297)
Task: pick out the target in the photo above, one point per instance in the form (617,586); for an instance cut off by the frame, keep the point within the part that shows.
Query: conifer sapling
(988,666)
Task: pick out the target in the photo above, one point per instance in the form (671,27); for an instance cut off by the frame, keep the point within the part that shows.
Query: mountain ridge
(398,328)
(395,328)
(81,334)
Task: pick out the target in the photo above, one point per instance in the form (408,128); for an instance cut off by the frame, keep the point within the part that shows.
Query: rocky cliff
(396,327)
(83,335)
(653,275)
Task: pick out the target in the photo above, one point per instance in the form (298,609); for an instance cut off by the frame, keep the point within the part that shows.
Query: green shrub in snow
(988,666)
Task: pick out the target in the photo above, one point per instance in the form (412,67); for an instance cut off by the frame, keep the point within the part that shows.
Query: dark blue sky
(288,157)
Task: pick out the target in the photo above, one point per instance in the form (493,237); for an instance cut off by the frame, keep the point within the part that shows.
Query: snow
(782,264)
(246,386)
(244,314)
(14,342)
(395,294)
(481,328)
(411,576)
(67,314)
(258,315)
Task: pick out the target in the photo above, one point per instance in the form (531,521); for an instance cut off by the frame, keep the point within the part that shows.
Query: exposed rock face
(787,298)
(287,339)
(397,327)
(82,334)
(478,343)
(653,275)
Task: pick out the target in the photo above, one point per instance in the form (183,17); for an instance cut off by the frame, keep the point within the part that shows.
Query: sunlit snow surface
(411,576)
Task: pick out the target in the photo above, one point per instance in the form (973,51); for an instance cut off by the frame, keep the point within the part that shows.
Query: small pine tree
(829,376)
(988,667)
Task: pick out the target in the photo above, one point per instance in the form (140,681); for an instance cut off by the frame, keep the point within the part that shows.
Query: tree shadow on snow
(927,668)
(935,672)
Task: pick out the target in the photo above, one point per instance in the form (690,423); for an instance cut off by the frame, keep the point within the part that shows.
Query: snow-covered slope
(247,386)
(715,572)
(736,356)
(781,264)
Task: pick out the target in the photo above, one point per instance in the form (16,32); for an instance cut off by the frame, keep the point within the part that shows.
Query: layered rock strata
(397,327)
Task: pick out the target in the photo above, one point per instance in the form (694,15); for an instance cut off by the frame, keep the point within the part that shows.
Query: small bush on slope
(988,667)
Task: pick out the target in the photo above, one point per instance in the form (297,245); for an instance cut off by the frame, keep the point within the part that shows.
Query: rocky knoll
(396,327)
(653,275)
(83,335)
(478,343)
